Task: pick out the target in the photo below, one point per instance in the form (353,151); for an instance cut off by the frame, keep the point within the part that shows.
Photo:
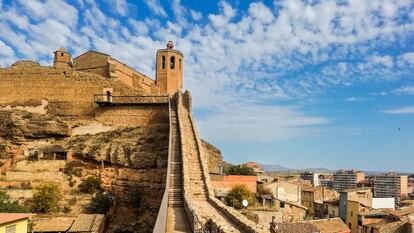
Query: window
(180,69)
(61,54)
(352,213)
(163,62)
(11,229)
(282,205)
(172,60)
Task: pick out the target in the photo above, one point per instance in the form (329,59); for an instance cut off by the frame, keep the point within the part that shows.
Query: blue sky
(298,83)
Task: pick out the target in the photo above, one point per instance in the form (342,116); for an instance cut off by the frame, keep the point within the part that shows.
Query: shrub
(100,203)
(45,198)
(9,206)
(239,170)
(237,194)
(73,168)
(92,184)
(262,191)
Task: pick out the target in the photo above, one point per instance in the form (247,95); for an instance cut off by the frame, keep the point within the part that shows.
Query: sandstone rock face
(140,147)
(215,159)
(19,124)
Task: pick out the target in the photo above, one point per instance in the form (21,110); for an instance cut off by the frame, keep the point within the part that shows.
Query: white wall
(383,203)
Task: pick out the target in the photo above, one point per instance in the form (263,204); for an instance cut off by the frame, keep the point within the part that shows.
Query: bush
(45,198)
(237,194)
(92,184)
(9,206)
(262,191)
(239,170)
(100,203)
(73,168)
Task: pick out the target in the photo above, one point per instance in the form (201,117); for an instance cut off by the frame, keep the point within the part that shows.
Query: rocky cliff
(21,124)
(131,162)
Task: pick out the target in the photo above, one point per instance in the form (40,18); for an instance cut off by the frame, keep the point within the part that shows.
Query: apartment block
(347,179)
(391,185)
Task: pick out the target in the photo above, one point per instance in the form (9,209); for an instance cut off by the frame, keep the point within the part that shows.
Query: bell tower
(62,59)
(169,70)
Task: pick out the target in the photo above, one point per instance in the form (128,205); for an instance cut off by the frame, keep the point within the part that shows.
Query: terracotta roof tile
(11,217)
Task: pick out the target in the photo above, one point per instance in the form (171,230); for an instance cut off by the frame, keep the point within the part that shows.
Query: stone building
(169,69)
(285,191)
(168,76)
(313,198)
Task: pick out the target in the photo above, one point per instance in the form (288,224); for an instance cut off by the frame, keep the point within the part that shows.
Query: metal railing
(161,222)
(112,99)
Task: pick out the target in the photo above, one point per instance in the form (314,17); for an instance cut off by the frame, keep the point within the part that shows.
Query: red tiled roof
(299,227)
(332,225)
(11,217)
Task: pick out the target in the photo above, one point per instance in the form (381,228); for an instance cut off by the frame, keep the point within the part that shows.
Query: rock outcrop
(20,124)
(139,147)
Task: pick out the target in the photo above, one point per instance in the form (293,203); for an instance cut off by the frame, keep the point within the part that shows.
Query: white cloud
(5,50)
(234,56)
(402,110)
(406,59)
(196,15)
(409,89)
(155,6)
(57,9)
(356,99)
(247,122)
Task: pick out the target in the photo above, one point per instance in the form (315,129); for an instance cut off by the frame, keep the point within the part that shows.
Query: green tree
(239,170)
(92,184)
(46,198)
(100,203)
(9,206)
(237,194)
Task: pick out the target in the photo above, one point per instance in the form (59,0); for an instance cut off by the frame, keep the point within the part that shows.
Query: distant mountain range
(280,168)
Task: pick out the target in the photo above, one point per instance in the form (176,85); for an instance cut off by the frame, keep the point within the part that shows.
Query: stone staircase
(176,218)
(175,194)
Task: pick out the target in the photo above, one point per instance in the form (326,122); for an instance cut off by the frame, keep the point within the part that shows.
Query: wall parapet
(237,218)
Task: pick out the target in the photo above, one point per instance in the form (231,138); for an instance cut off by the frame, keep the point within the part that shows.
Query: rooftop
(300,227)
(11,217)
(330,225)
(55,224)
(87,223)
(355,189)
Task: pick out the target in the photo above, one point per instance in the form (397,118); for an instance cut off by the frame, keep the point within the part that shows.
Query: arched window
(61,54)
(163,62)
(172,65)
(179,64)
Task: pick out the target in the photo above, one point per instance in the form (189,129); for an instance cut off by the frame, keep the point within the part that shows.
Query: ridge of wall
(237,218)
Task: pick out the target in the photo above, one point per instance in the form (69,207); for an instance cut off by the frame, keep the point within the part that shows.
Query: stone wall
(70,94)
(133,115)
(233,215)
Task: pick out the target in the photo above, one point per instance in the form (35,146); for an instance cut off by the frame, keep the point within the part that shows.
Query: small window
(352,213)
(180,69)
(163,62)
(172,60)
(61,54)
(282,205)
(11,229)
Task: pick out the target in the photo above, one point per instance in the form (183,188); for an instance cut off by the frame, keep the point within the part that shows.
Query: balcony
(110,100)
